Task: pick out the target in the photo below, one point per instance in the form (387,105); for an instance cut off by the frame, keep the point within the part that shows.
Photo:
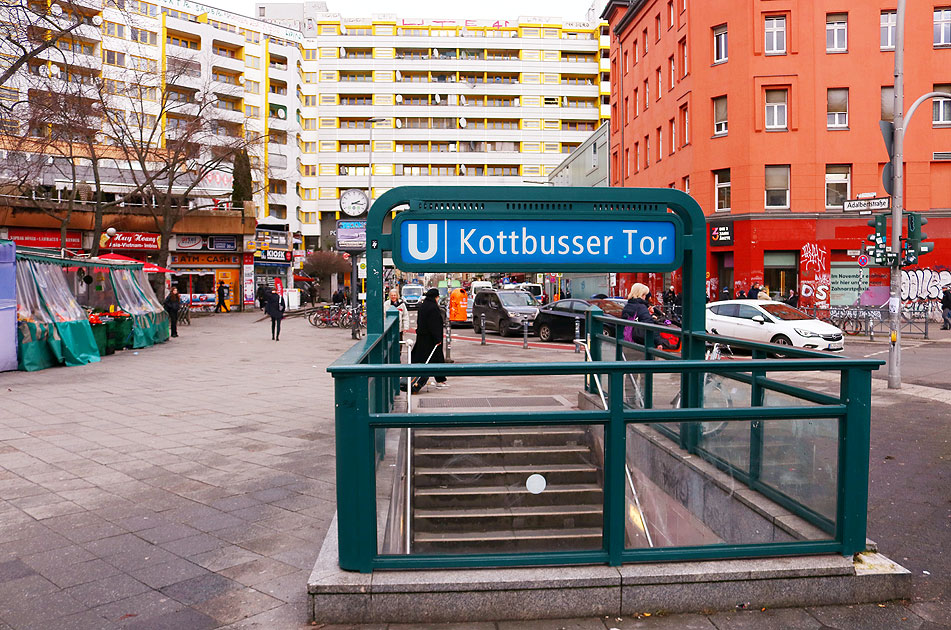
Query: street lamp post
(354,260)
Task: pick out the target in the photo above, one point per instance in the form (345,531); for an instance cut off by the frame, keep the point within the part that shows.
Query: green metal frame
(367,382)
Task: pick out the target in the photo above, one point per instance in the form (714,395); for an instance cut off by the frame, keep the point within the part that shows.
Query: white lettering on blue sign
(458,241)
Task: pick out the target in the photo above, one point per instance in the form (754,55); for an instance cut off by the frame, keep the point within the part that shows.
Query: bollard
(482,327)
(577,335)
(525,334)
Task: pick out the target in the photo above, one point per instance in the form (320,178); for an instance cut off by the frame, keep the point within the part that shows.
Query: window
(941,106)
(836,32)
(776,109)
(657,27)
(777,186)
(118,30)
(660,145)
(837,108)
(660,83)
(627,162)
(670,14)
(252,87)
(143,37)
(719,44)
(647,151)
(637,104)
(682,49)
(837,185)
(113,58)
(644,49)
(637,156)
(685,125)
(721,181)
(888,103)
(627,110)
(719,116)
(673,71)
(775,35)
(647,94)
(672,132)
(627,65)
(889,21)
(685,182)
(942,27)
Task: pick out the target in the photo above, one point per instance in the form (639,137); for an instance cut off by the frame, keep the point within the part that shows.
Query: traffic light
(880,223)
(914,245)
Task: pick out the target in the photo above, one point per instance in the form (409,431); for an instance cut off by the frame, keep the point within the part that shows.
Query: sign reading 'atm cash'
(515,245)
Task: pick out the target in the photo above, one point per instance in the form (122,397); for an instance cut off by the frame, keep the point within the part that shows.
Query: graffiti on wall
(815,283)
(919,285)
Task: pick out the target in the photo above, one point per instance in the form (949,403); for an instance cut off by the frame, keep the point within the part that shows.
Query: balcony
(230,64)
(88,32)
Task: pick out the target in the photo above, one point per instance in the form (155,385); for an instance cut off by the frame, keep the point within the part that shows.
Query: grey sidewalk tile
(553,624)
(888,616)
(166,573)
(194,545)
(14,570)
(224,558)
(474,625)
(58,558)
(106,590)
(199,589)
(138,607)
(258,571)
(80,573)
(238,604)
(778,619)
(166,533)
(934,612)
(286,617)
(662,622)
(186,618)
(86,620)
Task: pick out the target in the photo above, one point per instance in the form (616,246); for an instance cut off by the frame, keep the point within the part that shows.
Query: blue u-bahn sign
(651,243)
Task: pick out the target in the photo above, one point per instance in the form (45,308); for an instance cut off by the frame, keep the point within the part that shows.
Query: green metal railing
(367,384)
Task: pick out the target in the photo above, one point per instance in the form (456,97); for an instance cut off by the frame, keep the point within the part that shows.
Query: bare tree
(32,28)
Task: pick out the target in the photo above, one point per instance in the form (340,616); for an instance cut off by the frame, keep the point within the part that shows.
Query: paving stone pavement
(190,485)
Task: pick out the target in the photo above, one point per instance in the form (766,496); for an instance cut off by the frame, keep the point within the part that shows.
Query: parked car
(773,322)
(557,319)
(504,310)
(412,294)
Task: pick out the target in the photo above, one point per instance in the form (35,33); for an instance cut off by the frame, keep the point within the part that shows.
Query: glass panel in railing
(491,490)
(819,381)
(676,499)
(800,459)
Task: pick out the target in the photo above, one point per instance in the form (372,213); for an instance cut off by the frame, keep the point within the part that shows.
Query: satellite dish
(462,170)
(343,51)
(343,30)
(399,75)
(463,123)
(343,170)
(564,101)
(462,99)
(281,114)
(399,123)
(56,10)
(97,20)
(54,69)
(436,99)
(399,98)
(111,232)
(240,79)
(435,52)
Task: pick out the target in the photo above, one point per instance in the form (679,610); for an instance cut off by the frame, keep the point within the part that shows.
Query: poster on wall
(247,278)
(848,283)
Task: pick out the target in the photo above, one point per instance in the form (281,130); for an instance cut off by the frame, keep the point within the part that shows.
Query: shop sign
(223,243)
(273,255)
(131,240)
(189,241)
(34,237)
(190,259)
(721,234)
(352,235)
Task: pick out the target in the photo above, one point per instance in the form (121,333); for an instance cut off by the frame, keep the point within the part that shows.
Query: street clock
(353,202)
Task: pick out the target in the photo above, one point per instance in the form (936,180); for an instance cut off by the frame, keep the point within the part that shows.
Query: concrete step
(453,457)
(504,436)
(508,540)
(504,475)
(487,497)
(516,518)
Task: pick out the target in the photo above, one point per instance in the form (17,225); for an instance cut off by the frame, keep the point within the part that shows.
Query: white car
(773,322)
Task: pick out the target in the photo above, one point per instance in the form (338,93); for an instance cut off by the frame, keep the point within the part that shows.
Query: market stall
(52,329)
(119,285)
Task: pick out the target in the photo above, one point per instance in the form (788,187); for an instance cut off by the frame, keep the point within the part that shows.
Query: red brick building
(767,112)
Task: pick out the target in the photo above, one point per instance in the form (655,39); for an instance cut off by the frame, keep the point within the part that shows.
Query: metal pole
(354,298)
(894,296)
(448,356)
(577,335)
(482,327)
(525,334)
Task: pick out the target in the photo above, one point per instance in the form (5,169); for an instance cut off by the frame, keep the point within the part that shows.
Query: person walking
(261,296)
(946,308)
(173,304)
(338,297)
(792,299)
(275,309)
(428,347)
(396,302)
(221,306)
(753,293)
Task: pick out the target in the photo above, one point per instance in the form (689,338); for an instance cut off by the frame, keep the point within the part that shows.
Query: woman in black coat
(428,347)
(274,306)
(637,309)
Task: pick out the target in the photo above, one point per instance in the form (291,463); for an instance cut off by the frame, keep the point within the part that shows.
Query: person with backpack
(637,309)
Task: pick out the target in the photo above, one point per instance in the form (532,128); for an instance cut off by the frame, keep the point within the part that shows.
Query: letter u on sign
(432,241)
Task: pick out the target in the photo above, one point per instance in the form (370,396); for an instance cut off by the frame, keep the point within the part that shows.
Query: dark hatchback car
(557,319)
(504,310)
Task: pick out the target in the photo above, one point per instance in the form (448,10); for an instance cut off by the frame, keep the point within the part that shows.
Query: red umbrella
(148,267)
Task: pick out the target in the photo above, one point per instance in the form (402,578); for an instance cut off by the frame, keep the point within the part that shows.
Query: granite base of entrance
(431,596)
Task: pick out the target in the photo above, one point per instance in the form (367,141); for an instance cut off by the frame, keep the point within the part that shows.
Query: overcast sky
(482,10)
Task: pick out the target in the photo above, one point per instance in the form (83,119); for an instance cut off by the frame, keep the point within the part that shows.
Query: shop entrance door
(230,278)
(724,276)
